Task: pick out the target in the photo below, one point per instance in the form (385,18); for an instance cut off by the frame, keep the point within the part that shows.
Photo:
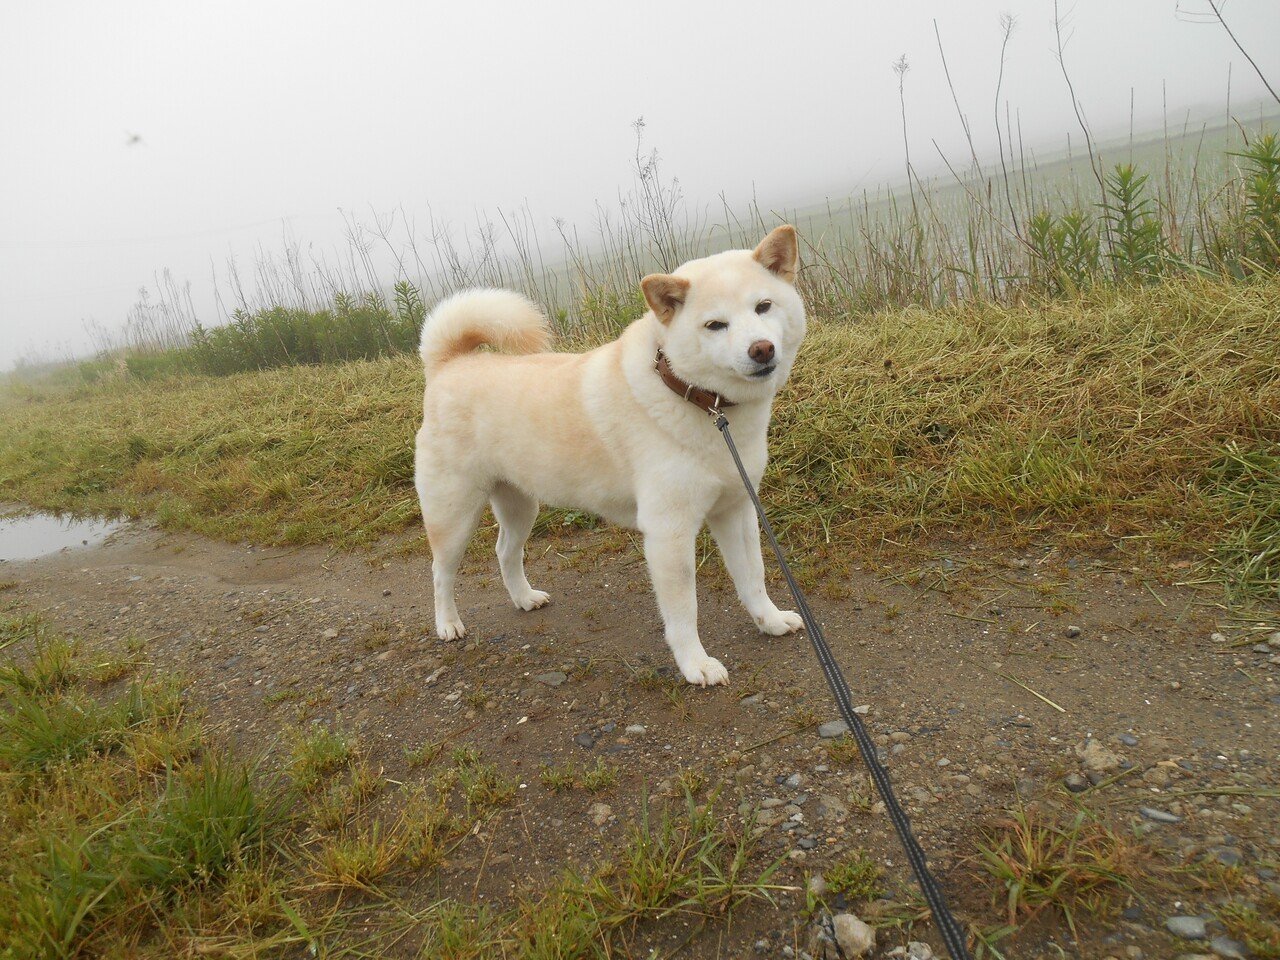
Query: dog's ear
(779,252)
(665,294)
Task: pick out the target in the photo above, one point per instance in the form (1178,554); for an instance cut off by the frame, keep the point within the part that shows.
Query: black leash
(952,935)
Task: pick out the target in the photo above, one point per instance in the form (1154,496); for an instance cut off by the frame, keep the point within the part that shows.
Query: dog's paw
(779,622)
(704,671)
(450,629)
(532,600)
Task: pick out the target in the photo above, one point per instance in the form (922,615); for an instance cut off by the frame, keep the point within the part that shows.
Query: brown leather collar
(704,400)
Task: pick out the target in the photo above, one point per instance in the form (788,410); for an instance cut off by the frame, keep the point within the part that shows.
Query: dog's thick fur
(517,425)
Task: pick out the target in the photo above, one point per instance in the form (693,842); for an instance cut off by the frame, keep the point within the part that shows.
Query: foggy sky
(257,116)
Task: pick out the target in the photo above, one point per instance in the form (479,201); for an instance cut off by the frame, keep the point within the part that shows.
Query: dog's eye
(763,306)
(715,325)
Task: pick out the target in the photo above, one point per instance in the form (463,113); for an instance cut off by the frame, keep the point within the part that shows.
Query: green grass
(1074,867)
(126,830)
(1145,411)
(595,779)
(101,847)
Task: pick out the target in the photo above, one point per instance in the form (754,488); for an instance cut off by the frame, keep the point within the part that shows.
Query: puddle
(40,534)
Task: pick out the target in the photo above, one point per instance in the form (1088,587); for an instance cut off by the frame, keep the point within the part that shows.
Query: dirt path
(271,638)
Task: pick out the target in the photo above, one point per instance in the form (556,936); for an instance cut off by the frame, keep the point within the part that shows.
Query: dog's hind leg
(516,512)
(450,513)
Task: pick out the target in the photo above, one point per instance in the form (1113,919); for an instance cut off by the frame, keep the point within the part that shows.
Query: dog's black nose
(761,351)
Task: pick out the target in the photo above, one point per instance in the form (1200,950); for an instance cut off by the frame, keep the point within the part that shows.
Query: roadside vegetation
(130,829)
(1144,414)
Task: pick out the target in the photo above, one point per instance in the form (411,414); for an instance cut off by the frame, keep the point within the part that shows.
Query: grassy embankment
(1141,411)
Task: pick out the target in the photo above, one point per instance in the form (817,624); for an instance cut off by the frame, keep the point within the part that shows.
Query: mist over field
(147,137)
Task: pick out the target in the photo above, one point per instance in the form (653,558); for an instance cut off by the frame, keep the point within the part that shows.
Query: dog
(622,431)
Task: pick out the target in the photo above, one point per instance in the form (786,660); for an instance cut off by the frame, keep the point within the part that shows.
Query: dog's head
(731,323)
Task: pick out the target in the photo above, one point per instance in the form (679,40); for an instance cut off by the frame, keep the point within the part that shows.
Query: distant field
(1143,414)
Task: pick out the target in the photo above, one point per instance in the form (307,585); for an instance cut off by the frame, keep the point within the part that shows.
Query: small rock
(1076,783)
(855,938)
(330,634)
(1189,928)
(761,947)
(792,781)
(1156,776)
(586,740)
(600,813)
(386,593)
(1097,758)
(1274,640)
(636,728)
(830,807)
(1128,739)
(552,679)
(818,885)
(833,728)
(752,700)
(1073,631)
(914,950)
(1159,816)
(1227,856)
(1229,948)
(806,843)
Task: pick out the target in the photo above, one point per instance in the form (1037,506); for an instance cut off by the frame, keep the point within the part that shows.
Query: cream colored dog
(604,431)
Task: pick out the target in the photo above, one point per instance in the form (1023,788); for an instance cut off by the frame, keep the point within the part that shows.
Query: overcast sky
(257,114)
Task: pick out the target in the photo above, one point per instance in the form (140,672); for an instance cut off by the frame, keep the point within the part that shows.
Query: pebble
(636,728)
(792,781)
(833,728)
(586,740)
(914,950)
(600,813)
(1227,947)
(1073,631)
(1189,928)
(1227,856)
(1159,816)
(806,843)
(855,938)
(1076,783)
(330,634)
(832,807)
(818,885)
(1128,739)
(552,679)
(1097,758)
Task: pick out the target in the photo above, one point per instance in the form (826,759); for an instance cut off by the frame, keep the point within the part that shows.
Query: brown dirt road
(271,638)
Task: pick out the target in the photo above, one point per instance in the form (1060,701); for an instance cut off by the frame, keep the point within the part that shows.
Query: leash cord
(950,930)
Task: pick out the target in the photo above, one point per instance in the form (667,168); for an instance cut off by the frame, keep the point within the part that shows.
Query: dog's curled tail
(500,319)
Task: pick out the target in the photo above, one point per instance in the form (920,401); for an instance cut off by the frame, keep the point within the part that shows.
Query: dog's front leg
(737,532)
(669,551)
